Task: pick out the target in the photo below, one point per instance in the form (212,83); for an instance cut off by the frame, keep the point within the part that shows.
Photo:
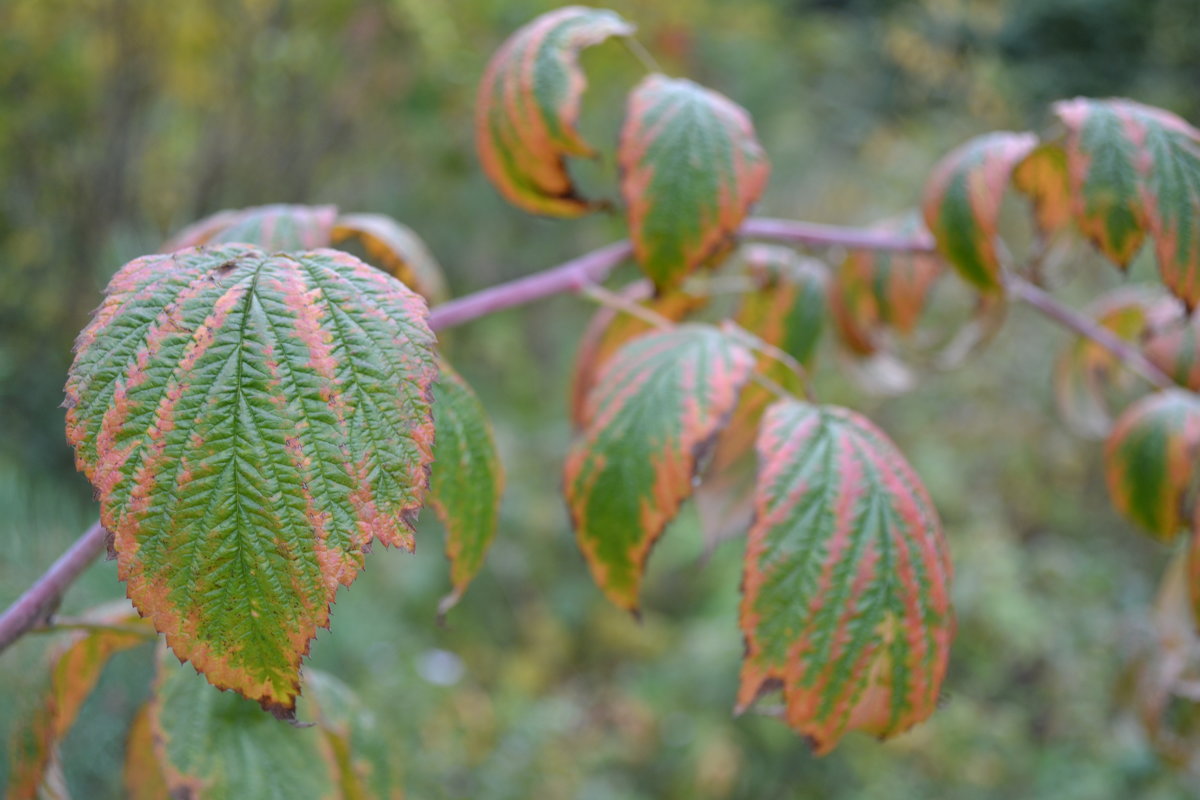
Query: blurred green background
(122,120)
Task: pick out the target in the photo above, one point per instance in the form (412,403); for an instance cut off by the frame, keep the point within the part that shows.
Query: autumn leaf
(845,603)
(395,249)
(1150,459)
(1172,343)
(658,404)
(75,667)
(787,308)
(467,478)
(962,203)
(251,423)
(274,227)
(1134,171)
(691,167)
(528,106)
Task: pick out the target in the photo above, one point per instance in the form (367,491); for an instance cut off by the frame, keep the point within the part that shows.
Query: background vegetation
(120,121)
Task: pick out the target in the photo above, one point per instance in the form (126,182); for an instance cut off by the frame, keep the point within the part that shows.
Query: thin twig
(785,358)
(641,54)
(604,297)
(60,624)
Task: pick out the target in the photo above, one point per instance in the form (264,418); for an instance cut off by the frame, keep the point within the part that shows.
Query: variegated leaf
(1150,460)
(875,291)
(1172,343)
(691,167)
(610,329)
(396,250)
(528,106)
(467,478)
(142,774)
(845,602)
(1086,373)
(658,404)
(275,227)
(788,308)
(251,423)
(1134,171)
(1043,176)
(962,203)
(75,667)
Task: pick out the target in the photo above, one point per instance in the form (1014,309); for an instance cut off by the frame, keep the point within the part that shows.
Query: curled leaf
(1172,343)
(788,308)
(1150,459)
(250,423)
(395,249)
(466,480)
(274,227)
(1135,170)
(691,167)
(845,603)
(1043,176)
(528,106)
(658,405)
(962,203)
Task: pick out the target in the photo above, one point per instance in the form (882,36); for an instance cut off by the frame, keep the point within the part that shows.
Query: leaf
(274,227)
(610,329)
(1043,176)
(874,291)
(250,423)
(962,203)
(1172,344)
(467,478)
(845,600)
(1135,170)
(528,106)
(75,667)
(1150,458)
(396,250)
(788,309)
(1085,371)
(143,776)
(658,405)
(691,167)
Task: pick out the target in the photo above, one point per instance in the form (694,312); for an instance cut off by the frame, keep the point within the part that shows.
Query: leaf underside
(845,601)
(251,423)
(528,106)
(691,167)
(657,406)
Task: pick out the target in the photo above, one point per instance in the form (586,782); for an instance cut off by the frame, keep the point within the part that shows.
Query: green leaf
(658,405)
(788,308)
(467,478)
(1172,343)
(877,291)
(1085,372)
(395,249)
(610,329)
(962,203)
(1135,170)
(274,227)
(528,106)
(1150,459)
(845,603)
(75,667)
(250,423)
(691,167)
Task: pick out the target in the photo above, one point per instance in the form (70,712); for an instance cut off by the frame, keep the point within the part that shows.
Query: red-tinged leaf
(143,775)
(845,601)
(75,667)
(1043,176)
(691,167)
(1172,344)
(1135,170)
(467,478)
(962,203)
(788,308)
(1086,373)
(609,330)
(1150,459)
(250,423)
(528,106)
(658,405)
(396,250)
(877,291)
(276,227)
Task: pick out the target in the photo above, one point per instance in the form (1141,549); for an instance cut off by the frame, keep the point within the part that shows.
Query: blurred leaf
(143,776)
(528,106)
(1150,459)
(788,308)
(1043,176)
(466,480)
(962,203)
(251,423)
(657,406)
(845,601)
(691,167)
(275,227)
(395,249)
(75,666)
(1172,343)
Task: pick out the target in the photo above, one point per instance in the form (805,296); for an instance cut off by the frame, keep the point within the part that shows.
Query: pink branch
(35,606)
